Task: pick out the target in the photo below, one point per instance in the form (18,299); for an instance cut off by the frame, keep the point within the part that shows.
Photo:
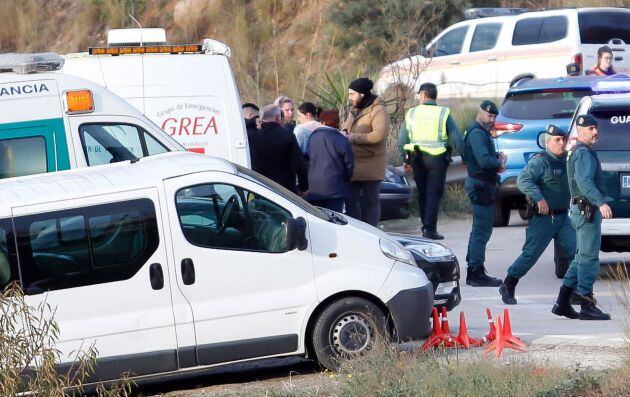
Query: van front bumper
(410,311)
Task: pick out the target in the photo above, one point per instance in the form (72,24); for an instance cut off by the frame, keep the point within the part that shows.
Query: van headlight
(395,251)
(431,251)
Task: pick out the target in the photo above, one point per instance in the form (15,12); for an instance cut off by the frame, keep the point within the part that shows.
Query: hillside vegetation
(279,46)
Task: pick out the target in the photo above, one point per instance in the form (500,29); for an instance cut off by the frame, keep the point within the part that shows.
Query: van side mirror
(296,234)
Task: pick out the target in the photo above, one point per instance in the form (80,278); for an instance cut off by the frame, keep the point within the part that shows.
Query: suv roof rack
(486,12)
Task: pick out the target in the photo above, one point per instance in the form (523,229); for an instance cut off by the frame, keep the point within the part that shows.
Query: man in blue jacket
(483,163)
(330,164)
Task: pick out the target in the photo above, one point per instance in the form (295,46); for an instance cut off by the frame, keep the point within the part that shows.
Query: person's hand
(543,207)
(606,211)
(304,193)
(407,168)
(350,137)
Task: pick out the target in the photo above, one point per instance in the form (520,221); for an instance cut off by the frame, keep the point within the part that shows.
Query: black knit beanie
(362,85)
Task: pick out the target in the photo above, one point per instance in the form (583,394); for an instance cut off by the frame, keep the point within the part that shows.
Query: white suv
(480,57)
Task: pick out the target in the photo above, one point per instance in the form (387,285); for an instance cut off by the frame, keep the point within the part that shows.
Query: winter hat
(362,85)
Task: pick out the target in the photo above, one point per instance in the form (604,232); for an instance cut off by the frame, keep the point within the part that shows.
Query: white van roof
(43,88)
(105,179)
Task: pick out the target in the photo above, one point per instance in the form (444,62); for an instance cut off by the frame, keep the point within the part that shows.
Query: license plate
(625,184)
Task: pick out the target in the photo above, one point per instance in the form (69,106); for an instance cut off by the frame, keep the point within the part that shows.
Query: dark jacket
(275,154)
(479,152)
(330,164)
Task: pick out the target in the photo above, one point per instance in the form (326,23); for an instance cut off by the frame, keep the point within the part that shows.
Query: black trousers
(363,202)
(429,172)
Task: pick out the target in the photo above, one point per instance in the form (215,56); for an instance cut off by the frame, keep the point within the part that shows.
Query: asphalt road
(536,292)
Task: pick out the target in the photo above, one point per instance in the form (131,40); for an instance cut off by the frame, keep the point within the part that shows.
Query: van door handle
(156,276)
(455,63)
(188,271)
(492,59)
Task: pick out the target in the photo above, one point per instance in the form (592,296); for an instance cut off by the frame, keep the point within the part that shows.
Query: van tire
(341,317)
(501,213)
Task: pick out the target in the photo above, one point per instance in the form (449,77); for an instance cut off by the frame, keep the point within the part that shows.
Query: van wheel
(347,328)
(501,214)
(560,260)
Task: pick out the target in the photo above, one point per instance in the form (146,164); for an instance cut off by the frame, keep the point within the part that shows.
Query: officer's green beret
(586,120)
(489,107)
(554,130)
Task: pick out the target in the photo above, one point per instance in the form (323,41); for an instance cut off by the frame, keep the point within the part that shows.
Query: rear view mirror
(541,139)
(296,234)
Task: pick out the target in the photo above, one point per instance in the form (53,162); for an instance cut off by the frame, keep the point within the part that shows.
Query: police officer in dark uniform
(483,163)
(544,182)
(588,207)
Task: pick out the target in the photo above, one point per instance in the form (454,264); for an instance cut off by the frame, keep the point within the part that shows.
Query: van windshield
(614,130)
(600,27)
(273,186)
(547,104)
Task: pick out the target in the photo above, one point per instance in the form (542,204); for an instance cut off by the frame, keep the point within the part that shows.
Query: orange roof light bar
(153,49)
(79,101)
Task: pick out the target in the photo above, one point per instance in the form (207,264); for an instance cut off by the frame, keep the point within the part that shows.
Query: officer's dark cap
(554,130)
(586,120)
(489,107)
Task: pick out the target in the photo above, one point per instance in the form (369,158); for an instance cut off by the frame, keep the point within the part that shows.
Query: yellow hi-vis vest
(427,128)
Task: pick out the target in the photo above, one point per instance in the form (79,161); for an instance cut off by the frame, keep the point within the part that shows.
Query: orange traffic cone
(437,336)
(463,339)
(498,344)
(448,338)
(507,332)
(492,334)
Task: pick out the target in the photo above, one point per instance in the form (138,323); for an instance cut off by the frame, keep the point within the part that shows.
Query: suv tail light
(578,60)
(501,128)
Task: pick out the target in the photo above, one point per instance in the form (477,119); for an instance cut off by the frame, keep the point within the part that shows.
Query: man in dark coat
(275,152)
(330,164)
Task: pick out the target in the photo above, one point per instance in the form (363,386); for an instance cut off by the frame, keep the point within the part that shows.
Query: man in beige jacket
(366,126)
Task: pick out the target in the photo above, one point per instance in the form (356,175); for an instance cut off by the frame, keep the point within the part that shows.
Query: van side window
(485,36)
(8,262)
(109,143)
(451,43)
(229,217)
(540,30)
(23,156)
(85,246)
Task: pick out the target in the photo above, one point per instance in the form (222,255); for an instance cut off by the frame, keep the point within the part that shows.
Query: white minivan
(187,90)
(479,57)
(177,262)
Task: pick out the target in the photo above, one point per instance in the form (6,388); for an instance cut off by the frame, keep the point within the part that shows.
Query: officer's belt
(576,200)
(485,178)
(554,212)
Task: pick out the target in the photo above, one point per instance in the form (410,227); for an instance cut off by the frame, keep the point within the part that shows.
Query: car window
(451,43)
(485,36)
(224,216)
(109,143)
(85,246)
(555,104)
(540,30)
(600,27)
(613,130)
(23,156)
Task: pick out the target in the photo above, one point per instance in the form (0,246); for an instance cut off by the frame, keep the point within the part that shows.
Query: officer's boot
(563,304)
(589,310)
(507,290)
(478,277)
(576,299)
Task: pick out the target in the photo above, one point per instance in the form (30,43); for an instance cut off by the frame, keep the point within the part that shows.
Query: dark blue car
(529,106)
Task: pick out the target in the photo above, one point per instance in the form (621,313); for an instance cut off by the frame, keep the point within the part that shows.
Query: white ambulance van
(178,262)
(51,122)
(187,90)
